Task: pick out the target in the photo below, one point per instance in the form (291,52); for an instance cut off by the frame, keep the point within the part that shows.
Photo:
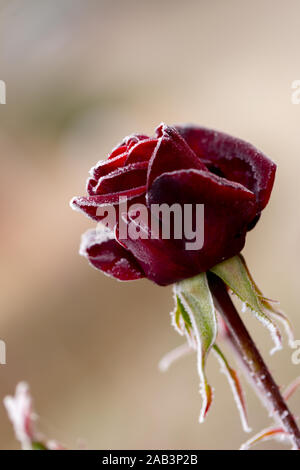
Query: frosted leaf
(235,274)
(197,312)
(268,305)
(291,388)
(235,385)
(266,435)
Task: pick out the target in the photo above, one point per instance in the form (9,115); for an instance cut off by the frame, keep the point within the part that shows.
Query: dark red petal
(141,152)
(104,167)
(127,143)
(171,153)
(133,139)
(234,159)
(104,253)
(161,260)
(117,151)
(228,208)
(90,204)
(131,176)
(90,186)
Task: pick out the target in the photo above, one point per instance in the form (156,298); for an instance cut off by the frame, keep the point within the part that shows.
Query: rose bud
(179,165)
(222,183)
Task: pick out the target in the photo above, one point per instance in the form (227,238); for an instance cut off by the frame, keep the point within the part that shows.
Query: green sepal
(235,385)
(235,274)
(195,316)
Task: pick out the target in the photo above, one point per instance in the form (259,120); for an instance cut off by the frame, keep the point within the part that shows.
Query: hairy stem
(252,360)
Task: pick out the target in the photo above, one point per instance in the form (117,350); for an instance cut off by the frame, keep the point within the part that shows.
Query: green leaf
(235,274)
(197,319)
(269,307)
(181,318)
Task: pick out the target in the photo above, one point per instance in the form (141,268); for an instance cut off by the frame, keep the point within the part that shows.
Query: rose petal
(104,167)
(141,152)
(105,254)
(122,179)
(117,151)
(161,260)
(127,143)
(133,139)
(171,153)
(234,159)
(90,204)
(228,207)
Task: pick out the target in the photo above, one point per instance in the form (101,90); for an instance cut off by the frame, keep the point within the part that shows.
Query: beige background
(80,75)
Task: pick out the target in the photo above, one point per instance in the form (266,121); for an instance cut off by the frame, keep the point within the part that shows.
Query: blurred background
(80,75)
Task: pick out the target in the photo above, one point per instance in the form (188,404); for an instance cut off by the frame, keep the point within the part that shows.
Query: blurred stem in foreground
(20,412)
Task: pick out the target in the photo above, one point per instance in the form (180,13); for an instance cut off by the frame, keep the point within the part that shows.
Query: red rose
(185,165)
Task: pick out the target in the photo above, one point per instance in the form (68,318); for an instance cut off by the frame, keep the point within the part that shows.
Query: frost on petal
(104,167)
(142,151)
(198,312)
(132,139)
(89,205)
(123,179)
(234,273)
(235,385)
(118,150)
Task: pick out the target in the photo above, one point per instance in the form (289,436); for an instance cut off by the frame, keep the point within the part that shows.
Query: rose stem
(252,359)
